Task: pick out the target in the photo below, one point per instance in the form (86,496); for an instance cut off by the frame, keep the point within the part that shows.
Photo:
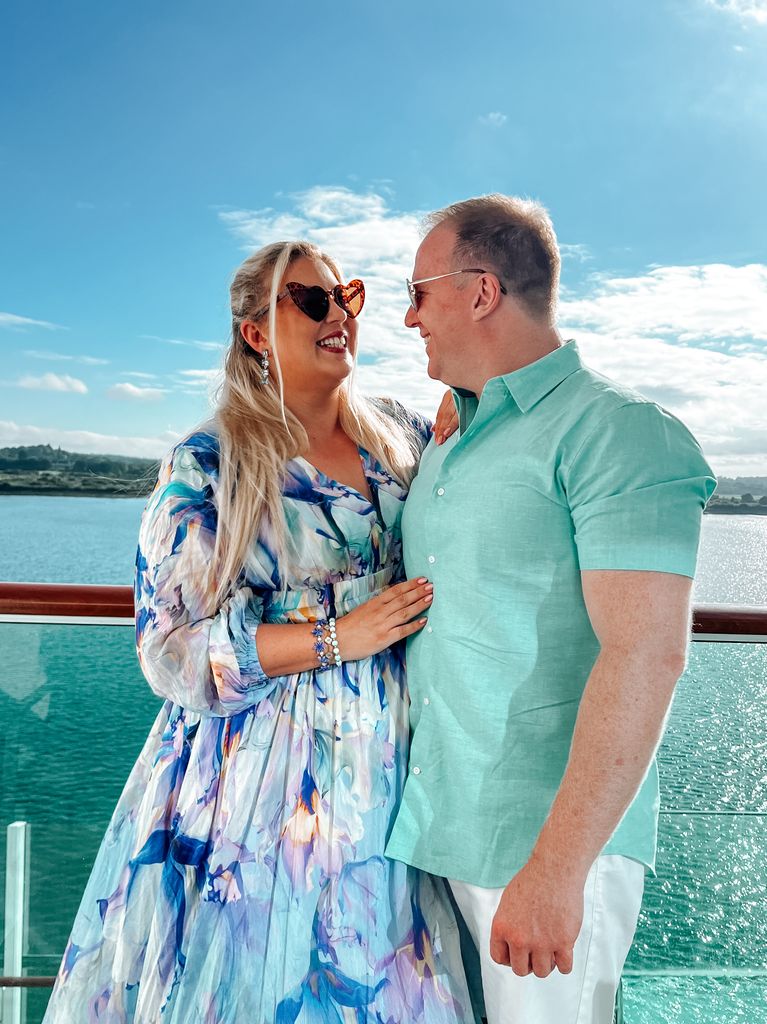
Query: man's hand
(537,921)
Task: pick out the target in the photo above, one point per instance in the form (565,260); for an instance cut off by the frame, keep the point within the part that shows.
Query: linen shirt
(554,470)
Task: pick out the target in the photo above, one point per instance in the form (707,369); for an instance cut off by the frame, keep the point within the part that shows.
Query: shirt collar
(528,385)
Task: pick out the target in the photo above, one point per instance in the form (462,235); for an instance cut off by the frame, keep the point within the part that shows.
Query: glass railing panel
(700,953)
(695,999)
(75,713)
(706,907)
(714,752)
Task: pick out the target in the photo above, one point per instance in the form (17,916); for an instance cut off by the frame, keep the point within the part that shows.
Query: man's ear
(487,296)
(253,337)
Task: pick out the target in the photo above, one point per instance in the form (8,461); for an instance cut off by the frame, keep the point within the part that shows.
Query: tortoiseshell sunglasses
(314,301)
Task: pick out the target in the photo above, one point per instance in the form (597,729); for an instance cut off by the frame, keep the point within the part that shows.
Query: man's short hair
(512,237)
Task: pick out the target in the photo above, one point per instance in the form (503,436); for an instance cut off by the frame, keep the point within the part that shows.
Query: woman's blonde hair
(257,432)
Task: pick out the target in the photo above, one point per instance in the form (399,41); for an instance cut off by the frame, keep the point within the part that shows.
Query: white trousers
(611,901)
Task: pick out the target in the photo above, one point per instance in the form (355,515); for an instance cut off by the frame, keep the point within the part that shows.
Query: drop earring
(265,367)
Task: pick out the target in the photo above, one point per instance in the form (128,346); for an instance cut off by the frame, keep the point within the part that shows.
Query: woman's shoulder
(187,480)
(201,446)
(406,417)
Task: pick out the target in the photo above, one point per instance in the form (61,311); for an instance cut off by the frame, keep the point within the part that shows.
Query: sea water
(75,712)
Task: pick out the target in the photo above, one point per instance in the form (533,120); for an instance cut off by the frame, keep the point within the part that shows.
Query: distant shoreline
(737,510)
(61,492)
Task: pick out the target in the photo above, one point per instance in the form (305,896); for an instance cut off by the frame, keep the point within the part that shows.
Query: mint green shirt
(554,470)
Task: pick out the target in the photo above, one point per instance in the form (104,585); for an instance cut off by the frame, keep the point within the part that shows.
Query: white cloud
(196,382)
(690,337)
(134,393)
(493,120)
(693,338)
(199,374)
(709,302)
(12,434)
(60,356)
(718,395)
(13,321)
(54,382)
(206,346)
(140,375)
(576,251)
(334,205)
(669,334)
(746,10)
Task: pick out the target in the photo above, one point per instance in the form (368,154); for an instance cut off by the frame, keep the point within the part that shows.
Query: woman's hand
(381,621)
(446,422)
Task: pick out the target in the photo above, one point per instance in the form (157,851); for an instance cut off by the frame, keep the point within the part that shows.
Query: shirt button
(429,629)
(416,770)
(431,559)
(426,701)
(441,491)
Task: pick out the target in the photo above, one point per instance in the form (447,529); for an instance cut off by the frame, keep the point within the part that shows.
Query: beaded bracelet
(325,637)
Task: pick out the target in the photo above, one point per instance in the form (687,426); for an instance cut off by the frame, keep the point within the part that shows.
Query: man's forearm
(619,725)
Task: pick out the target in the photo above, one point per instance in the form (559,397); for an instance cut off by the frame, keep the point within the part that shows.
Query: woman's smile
(335,343)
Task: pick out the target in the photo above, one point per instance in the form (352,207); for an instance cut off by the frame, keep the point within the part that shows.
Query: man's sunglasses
(415,298)
(314,301)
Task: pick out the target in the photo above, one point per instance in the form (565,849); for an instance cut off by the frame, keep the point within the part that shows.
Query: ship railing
(87,605)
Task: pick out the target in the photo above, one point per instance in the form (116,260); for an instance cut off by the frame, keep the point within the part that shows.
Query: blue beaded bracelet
(326,644)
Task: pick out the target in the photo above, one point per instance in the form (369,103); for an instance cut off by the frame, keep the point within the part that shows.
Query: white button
(429,629)
(432,559)
(441,491)
(416,770)
(426,701)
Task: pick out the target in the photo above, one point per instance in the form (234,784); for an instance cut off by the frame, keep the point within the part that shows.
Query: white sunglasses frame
(438,277)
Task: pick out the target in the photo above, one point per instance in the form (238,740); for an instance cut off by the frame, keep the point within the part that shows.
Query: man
(560,529)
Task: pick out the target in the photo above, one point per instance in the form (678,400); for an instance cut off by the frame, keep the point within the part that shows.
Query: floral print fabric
(242,877)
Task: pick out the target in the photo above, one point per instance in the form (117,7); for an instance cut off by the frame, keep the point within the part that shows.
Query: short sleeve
(192,652)
(637,487)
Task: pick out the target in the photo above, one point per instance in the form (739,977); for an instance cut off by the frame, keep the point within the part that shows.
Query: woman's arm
(368,629)
(197,654)
(222,659)
(446,422)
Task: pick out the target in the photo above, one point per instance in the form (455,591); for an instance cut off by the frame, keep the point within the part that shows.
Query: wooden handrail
(729,619)
(65,600)
(87,601)
(39,981)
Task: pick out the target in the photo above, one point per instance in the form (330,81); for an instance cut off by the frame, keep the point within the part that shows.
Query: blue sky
(146,150)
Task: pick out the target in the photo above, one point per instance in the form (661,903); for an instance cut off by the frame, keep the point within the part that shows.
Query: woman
(242,878)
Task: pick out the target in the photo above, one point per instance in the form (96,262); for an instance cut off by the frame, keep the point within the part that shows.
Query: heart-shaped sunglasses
(314,301)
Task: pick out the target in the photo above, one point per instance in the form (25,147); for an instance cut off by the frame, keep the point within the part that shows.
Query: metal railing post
(618,1012)
(13,1001)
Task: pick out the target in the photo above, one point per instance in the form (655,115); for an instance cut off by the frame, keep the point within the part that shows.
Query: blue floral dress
(242,877)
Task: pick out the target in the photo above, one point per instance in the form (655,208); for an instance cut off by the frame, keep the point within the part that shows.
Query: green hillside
(41,469)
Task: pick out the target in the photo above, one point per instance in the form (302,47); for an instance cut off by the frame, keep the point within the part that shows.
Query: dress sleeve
(191,652)
(419,426)
(422,426)
(637,487)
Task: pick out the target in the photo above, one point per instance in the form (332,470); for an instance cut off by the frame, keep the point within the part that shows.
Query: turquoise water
(68,540)
(93,540)
(75,712)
